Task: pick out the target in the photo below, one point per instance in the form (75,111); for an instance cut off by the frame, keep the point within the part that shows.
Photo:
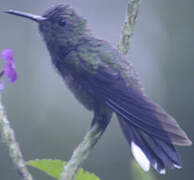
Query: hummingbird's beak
(26,15)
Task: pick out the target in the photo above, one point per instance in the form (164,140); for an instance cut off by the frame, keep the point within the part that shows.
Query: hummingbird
(105,82)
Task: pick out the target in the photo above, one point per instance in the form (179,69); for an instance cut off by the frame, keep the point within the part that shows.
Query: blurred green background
(49,122)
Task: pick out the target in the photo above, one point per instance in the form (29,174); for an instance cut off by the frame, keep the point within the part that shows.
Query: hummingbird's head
(60,25)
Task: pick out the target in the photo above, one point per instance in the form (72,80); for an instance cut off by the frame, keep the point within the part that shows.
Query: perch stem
(129,26)
(8,137)
(81,153)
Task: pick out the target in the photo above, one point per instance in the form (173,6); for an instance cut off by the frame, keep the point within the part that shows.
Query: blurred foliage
(55,167)
(139,174)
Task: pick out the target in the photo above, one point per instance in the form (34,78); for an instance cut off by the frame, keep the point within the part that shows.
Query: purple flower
(7,55)
(9,67)
(9,72)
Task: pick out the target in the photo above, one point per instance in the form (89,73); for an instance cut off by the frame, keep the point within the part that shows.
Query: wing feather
(113,82)
(136,108)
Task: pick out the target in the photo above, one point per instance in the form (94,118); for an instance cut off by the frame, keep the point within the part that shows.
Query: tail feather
(161,155)
(170,151)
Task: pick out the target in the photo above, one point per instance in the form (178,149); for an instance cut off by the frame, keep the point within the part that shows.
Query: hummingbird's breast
(80,91)
(68,65)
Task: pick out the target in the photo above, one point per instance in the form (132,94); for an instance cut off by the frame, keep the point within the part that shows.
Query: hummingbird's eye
(62,22)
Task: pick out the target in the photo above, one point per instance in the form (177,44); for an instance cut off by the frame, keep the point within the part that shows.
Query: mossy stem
(8,137)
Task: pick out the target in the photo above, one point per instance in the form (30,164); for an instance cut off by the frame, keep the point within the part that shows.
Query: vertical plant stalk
(81,153)
(92,136)
(129,26)
(8,137)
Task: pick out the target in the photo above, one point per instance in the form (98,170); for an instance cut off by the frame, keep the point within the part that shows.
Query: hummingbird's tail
(149,150)
(149,129)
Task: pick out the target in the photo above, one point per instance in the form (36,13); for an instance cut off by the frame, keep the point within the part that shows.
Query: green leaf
(55,167)
(84,175)
(49,166)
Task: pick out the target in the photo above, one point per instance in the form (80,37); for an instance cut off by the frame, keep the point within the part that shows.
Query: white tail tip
(140,157)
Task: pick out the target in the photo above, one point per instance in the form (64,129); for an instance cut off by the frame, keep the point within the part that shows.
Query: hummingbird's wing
(113,81)
(149,130)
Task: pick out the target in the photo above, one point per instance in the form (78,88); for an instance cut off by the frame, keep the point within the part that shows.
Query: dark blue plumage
(106,83)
